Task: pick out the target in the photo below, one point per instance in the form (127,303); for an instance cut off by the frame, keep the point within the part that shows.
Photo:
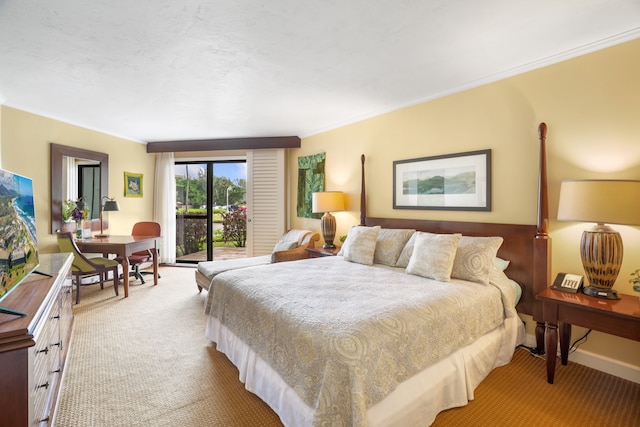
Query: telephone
(567,283)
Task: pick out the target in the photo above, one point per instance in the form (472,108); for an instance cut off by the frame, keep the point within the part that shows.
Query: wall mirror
(59,155)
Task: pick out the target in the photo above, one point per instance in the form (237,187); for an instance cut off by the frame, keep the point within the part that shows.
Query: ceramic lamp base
(328,227)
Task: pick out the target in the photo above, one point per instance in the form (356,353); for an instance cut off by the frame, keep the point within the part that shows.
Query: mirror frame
(57,153)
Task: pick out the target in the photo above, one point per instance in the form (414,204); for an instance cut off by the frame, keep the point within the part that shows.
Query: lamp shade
(600,201)
(111,206)
(327,201)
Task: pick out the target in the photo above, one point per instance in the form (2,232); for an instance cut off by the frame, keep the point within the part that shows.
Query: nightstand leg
(551,344)
(565,337)
(539,338)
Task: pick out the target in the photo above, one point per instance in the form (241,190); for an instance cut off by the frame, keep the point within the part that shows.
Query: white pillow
(361,244)
(475,257)
(433,255)
(285,246)
(502,264)
(389,245)
(405,255)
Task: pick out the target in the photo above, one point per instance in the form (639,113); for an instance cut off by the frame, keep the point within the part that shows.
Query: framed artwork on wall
(460,182)
(132,184)
(310,180)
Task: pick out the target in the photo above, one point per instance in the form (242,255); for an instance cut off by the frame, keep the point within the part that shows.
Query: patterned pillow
(405,255)
(390,243)
(475,258)
(361,244)
(433,255)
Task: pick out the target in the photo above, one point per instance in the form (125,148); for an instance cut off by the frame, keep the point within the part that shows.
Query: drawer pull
(45,351)
(45,420)
(56,317)
(59,344)
(57,371)
(45,385)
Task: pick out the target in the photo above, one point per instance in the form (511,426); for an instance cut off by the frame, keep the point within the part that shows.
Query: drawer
(46,362)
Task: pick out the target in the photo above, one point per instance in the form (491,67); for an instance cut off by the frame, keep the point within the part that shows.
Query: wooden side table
(560,310)
(321,252)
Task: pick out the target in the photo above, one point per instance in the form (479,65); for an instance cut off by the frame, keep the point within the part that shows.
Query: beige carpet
(518,395)
(144,361)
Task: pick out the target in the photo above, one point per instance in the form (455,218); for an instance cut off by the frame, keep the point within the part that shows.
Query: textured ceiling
(154,70)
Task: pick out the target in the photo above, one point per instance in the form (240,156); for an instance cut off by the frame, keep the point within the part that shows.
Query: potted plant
(67,207)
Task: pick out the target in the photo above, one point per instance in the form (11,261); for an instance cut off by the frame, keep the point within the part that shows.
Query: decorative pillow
(389,245)
(345,244)
(285,246)
(361,244)
(475,258)
(502,264)
(405,255)
(433,255)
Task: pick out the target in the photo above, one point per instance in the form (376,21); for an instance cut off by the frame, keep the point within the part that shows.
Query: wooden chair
(136,259)
(83,267)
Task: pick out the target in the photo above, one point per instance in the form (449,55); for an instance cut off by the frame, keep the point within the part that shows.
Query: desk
(123,246)
(562,309)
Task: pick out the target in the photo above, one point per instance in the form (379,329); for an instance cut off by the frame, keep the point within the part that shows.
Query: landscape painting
(458,181)
(18,240)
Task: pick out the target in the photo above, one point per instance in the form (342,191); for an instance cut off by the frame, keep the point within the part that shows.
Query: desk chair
(137,259)
(83,267)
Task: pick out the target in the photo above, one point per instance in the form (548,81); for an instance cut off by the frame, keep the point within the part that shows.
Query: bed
(363,339)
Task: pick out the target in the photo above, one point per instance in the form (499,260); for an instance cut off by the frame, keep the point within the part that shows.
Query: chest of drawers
(34,348)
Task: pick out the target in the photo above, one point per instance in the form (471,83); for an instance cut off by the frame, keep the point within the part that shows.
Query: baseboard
(599,362)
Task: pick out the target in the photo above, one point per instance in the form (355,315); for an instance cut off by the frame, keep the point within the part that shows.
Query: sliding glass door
(210,210)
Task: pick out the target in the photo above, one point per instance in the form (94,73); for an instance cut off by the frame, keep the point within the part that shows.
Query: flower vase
(79,229)
(86,229)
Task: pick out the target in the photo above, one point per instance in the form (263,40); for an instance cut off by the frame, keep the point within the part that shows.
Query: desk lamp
(108,205)
(600,201)
(327,202)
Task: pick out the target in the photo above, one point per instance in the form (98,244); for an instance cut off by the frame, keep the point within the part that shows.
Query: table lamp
(327,202)
(600,201)
(108,205)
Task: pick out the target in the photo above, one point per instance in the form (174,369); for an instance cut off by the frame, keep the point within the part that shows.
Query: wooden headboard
(527,247)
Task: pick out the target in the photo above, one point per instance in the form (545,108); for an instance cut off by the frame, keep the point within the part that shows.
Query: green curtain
(310,180)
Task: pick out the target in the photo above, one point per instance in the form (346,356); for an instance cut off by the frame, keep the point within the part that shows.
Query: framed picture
(460,182)
(132,184)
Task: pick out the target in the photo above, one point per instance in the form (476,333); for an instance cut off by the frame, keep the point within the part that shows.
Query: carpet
(144,360)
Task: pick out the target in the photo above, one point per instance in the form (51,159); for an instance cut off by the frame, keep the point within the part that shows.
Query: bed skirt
(446,384)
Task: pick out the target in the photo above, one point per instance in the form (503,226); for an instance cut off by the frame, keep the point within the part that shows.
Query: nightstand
(562,309)
(320,252)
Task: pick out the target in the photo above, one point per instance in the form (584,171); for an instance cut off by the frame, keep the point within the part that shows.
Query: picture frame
(457,182)
(132,184)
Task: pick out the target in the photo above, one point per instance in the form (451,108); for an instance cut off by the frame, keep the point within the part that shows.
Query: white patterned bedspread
(344,335)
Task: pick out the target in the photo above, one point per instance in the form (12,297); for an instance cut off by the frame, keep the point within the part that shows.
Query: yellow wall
(25,150)
(591,105)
